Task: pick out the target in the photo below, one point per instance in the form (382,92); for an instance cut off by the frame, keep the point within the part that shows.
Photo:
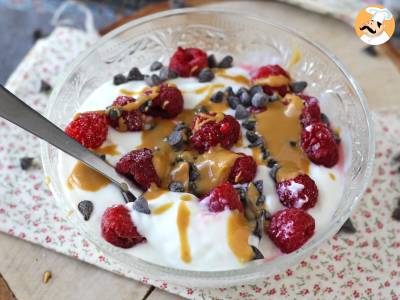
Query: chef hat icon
(379,14)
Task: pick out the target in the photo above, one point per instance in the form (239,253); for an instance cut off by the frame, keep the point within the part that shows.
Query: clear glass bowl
(250,40)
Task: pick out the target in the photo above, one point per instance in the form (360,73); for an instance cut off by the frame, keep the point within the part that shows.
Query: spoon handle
(19,113)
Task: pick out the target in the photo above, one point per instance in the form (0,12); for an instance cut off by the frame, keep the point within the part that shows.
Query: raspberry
(188,62)
(138,166)
(128,120)
(244,170)
(272,70)
(118,229)
(221,197)
(300,192)
(319,144)
(168,104)
(89,128)
(211,133)
(290,229)
(311,112)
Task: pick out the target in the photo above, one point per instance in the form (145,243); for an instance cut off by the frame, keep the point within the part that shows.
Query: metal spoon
(16,111)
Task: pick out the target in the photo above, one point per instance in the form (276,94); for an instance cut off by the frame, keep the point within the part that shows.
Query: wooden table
(22,264)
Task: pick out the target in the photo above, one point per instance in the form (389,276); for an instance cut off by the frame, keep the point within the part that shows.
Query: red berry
(221,197)
(311,112)
(244,170)
(138,166)
(300,192)
(118,229)
(272,70)
(188,62)
(290,229)
(123,100)
(319,144)
(129,120)
(207,134)
(168,104)
(89,128)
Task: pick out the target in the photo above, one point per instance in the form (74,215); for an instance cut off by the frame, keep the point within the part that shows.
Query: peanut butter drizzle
(238,233)
(146,95)
(186,197)
(214,107)
(162,208)
(296,55)
(207,118)
(291,158)
(153,192)
(214,167)
(181,174)
(273,81)
(239,79)
(332,176)
(109,150)
(182,221)
(186,116)
(86,178)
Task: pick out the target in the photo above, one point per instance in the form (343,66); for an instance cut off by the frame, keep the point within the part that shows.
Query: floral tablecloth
(363,265)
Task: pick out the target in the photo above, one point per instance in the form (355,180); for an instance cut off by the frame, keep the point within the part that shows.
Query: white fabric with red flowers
(364,265)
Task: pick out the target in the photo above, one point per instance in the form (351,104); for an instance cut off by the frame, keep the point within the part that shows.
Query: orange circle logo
(374,25)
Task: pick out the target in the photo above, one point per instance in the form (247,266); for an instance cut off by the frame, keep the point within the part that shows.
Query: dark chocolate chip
(26,163)
(233,101)
(251,136)
(180,126)
(259,100)
(241,112)
(292,143)
(241,91)
(217,97)
(271,162)
(135,74)
(257,253)
(152,80)
(193,172)
(348,227)
(260,200)
(229,91)
(249,124)
(245,99)
(128,196)
(325,119)
(102,156)
(202,110)
(371,51)
(267,215)
(175,139)
(176,186)
(264,152)
(259,227)
(119,79)
(226,62)
(193,187)
(396,214)
(298,86)
(166,73)
(259,185)
(274,171)
(85,207)
(45,87)
(144,108)
(113,113)
(212,62)
(206,75)
(274,97)
(242,194)
(155,66)
(141,205)
(256,89)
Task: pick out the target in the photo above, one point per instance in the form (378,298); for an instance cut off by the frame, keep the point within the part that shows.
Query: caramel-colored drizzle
(239,79)
(153,192)
(284,114)
(238,233)
(210,89)
(183,220)
(162,208)
(86,178)
(109,150)
(181,174)
(273,81)
(186,197)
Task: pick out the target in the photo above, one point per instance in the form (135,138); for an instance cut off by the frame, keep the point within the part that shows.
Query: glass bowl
(249,40)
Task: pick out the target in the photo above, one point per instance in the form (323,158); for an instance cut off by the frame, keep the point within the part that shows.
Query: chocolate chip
(242,194)
(325,119)
(233,101)
(274,97)
(102,156)
(202,110)
(267,215)
(176,186)
(371,51)
(256,89)
(229,91)
(264,153)
(176,140)
(274,171)
(128,196)
(292,143)
(193,172)
(336,137)
(135,74)
(249,124)
(155,66)
(193,187)
(251,136)
(348,227)
(396,214)
(119,79)
(206,75)
(245,99)
(180,126)
(141,205)
(152,80)
(259,184)
(113,112)
(259,226)
(226,62)
(257,143)
(212,62)
(85,207)
(259,100)
(217,97)
(260,200)
(271,162)
(257,253)
(241,112)
(45,87)
(298,86)
(241,91)
(166,74)
(26,163)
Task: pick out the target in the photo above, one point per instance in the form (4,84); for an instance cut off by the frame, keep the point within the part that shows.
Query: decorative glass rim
(253,271)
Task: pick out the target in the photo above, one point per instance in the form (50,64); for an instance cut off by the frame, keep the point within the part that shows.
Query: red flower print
(102,258)
(349,283)
(305,292)
(360,269)
(289,272)
(387,283)
(48,239)
(277,277)
(242,294)
(164,285)
(331,268)
(356,294)
(350,242)
(2,211)
(189,291)
(393,273)
(271,291)
(338,257)
(368,230)
(368,291)
(314,256)
(328,290)
(317,287)
(303,264)
(257,289)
